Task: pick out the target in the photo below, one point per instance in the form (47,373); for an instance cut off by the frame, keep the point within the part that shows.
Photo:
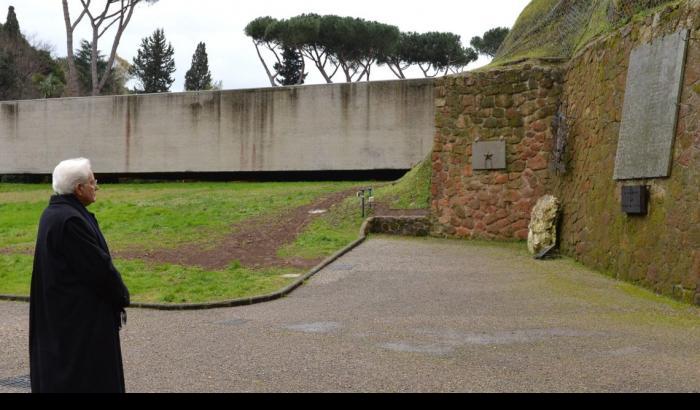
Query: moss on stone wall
(661,250)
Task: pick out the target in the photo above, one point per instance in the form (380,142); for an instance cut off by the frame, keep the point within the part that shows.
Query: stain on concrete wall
(376,125)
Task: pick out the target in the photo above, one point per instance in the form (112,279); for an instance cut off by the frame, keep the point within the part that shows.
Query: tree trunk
(123,22)
(348,78)
(303,68)
(93,64)
(323,72)
(365,70)
(267,70)
(322,66)
(71,89)
(316,58)
(398,72)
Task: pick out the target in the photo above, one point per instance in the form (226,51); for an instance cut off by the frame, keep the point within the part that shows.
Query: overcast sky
(220,24)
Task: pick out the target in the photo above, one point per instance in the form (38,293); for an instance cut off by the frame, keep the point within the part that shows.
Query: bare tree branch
(72,83)
(86,8)
(100,18)
(108,26)
(320,59)
(426,69)
(123,22)
(398,72)
(108,18)
(272,48)
(267,70)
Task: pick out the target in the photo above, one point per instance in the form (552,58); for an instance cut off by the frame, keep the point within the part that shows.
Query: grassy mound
(340,226)
(412,191)
(559,28)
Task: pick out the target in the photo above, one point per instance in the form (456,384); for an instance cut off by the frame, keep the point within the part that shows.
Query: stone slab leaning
(543,225)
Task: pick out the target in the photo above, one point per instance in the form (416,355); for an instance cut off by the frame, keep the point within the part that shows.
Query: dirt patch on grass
(253,242)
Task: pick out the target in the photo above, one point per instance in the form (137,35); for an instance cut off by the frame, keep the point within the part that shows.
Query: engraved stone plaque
(489,155)
(650,110)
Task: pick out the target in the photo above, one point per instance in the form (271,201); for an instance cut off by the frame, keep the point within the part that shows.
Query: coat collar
(68,199)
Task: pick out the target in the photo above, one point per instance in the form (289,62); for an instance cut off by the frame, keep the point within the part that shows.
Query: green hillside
(558,28)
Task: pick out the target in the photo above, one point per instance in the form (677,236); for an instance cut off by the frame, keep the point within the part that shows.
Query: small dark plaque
(634,200)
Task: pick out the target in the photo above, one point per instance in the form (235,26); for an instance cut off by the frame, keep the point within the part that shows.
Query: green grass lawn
(163,283)
(152,216)
(329,233)
(412,191)
(340,226)
(149,216)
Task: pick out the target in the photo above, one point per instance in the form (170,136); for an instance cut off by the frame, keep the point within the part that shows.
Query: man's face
(86,193)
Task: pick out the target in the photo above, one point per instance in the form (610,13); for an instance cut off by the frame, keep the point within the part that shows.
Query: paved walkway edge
(242,301)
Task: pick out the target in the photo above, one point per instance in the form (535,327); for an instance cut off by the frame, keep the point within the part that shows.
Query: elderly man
(77,296)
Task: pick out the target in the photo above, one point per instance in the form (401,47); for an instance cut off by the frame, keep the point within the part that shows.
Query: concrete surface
(363,126)
(414,315)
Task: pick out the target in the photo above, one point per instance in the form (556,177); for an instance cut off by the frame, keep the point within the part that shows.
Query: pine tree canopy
(8,75)
(154,65)
(198,77)
(291,67)
(11,26)
(83,61)
(491,41)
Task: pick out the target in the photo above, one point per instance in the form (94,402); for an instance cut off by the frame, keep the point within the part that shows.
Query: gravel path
(413,315)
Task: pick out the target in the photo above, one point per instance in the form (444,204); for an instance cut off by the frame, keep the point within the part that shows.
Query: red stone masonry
(516,104)
(660,250)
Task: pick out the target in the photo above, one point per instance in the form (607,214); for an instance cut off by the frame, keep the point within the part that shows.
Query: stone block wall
(400,225)
(660,250)
(515,104)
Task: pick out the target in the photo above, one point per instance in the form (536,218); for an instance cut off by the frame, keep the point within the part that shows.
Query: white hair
(69,173)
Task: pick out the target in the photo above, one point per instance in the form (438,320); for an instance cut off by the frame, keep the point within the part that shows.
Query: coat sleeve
(84,255)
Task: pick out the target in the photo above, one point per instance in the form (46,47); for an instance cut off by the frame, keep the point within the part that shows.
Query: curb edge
(241,301)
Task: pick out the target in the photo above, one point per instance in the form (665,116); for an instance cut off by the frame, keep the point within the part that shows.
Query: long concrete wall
(364,126)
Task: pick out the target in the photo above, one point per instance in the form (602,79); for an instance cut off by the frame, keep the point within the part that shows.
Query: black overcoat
(76,303)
